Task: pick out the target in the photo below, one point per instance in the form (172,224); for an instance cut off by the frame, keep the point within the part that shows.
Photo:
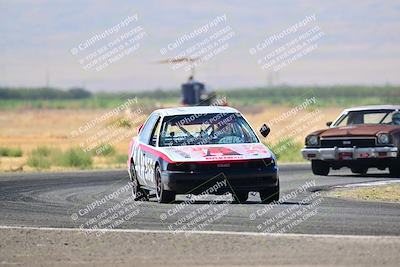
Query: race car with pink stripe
(201,150)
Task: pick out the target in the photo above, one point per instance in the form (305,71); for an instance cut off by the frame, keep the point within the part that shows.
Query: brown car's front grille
(351,142)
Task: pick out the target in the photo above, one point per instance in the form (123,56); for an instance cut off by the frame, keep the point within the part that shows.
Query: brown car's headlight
(312,140)
(383,139)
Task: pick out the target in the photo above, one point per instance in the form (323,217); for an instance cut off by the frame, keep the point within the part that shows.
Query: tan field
(28,129)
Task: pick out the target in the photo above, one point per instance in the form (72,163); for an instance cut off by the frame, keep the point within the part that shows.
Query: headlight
(383,138)
(312,140)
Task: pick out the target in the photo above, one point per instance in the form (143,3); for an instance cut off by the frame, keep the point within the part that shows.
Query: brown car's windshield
(388,117)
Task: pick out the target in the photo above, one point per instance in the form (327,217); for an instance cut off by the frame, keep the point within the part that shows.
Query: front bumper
(221,181)
(349,153)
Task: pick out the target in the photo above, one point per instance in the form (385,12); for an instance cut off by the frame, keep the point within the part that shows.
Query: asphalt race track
(45,217)
(61,199)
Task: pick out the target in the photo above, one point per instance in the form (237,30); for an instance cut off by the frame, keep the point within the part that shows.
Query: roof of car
(373,107)
(196,110)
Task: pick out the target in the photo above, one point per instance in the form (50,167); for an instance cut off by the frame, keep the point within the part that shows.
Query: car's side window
(147,129)
(343,121)
(389,118)
(154,134)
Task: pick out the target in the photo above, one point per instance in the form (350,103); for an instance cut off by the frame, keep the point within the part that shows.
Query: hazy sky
(360,42)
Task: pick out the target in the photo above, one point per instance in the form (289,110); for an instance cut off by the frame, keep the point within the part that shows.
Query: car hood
(357,130)
(223,152)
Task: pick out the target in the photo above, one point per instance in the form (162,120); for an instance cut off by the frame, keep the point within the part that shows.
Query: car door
(144,160)
(151,156)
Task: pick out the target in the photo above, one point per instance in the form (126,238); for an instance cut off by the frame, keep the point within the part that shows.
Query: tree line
(280,91)
(43,93)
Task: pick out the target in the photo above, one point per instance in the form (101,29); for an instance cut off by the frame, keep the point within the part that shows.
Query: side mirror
(139,129)
(265,130)
(329,123)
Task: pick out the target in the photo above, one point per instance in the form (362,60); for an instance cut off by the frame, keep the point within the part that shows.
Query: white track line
(196,232)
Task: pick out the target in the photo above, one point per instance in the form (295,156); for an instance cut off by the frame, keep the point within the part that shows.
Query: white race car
(197,150)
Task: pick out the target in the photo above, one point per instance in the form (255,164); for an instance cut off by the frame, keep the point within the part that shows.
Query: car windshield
(388,117)
(205,129)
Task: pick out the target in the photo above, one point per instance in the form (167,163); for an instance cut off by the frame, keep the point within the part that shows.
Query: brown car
(360,138)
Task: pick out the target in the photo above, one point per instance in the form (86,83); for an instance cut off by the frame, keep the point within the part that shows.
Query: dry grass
(388,193)
(287,126)
(28,129)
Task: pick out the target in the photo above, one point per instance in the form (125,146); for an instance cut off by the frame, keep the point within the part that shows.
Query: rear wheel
(270,195)
(320,167)
(138,193)
(359,170)
(163,196)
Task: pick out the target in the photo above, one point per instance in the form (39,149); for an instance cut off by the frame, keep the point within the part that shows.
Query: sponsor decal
(144,165)
(219,151)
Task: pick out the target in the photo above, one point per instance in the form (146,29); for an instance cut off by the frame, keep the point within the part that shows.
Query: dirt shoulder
(386,193)
(66,248)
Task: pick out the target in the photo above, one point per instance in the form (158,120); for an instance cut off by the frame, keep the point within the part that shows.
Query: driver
(396,118)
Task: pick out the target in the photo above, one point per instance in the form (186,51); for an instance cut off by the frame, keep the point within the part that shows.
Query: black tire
(138,193)
(240,197)
(394,168)
(320,167)
(270,195)
(359,170)
(163,196)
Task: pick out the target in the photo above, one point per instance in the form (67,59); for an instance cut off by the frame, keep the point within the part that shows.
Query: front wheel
(394,168)
(320,167)
(163,196)
(138,193)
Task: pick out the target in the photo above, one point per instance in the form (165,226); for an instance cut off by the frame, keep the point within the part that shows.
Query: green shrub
(121,123)
(10,152)
(124,123)
(42,157)
(42,151)
(75,157)
(39,162)
(103,150)
(119,159)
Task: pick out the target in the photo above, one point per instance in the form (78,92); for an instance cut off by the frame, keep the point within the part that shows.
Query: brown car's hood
(358,130)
